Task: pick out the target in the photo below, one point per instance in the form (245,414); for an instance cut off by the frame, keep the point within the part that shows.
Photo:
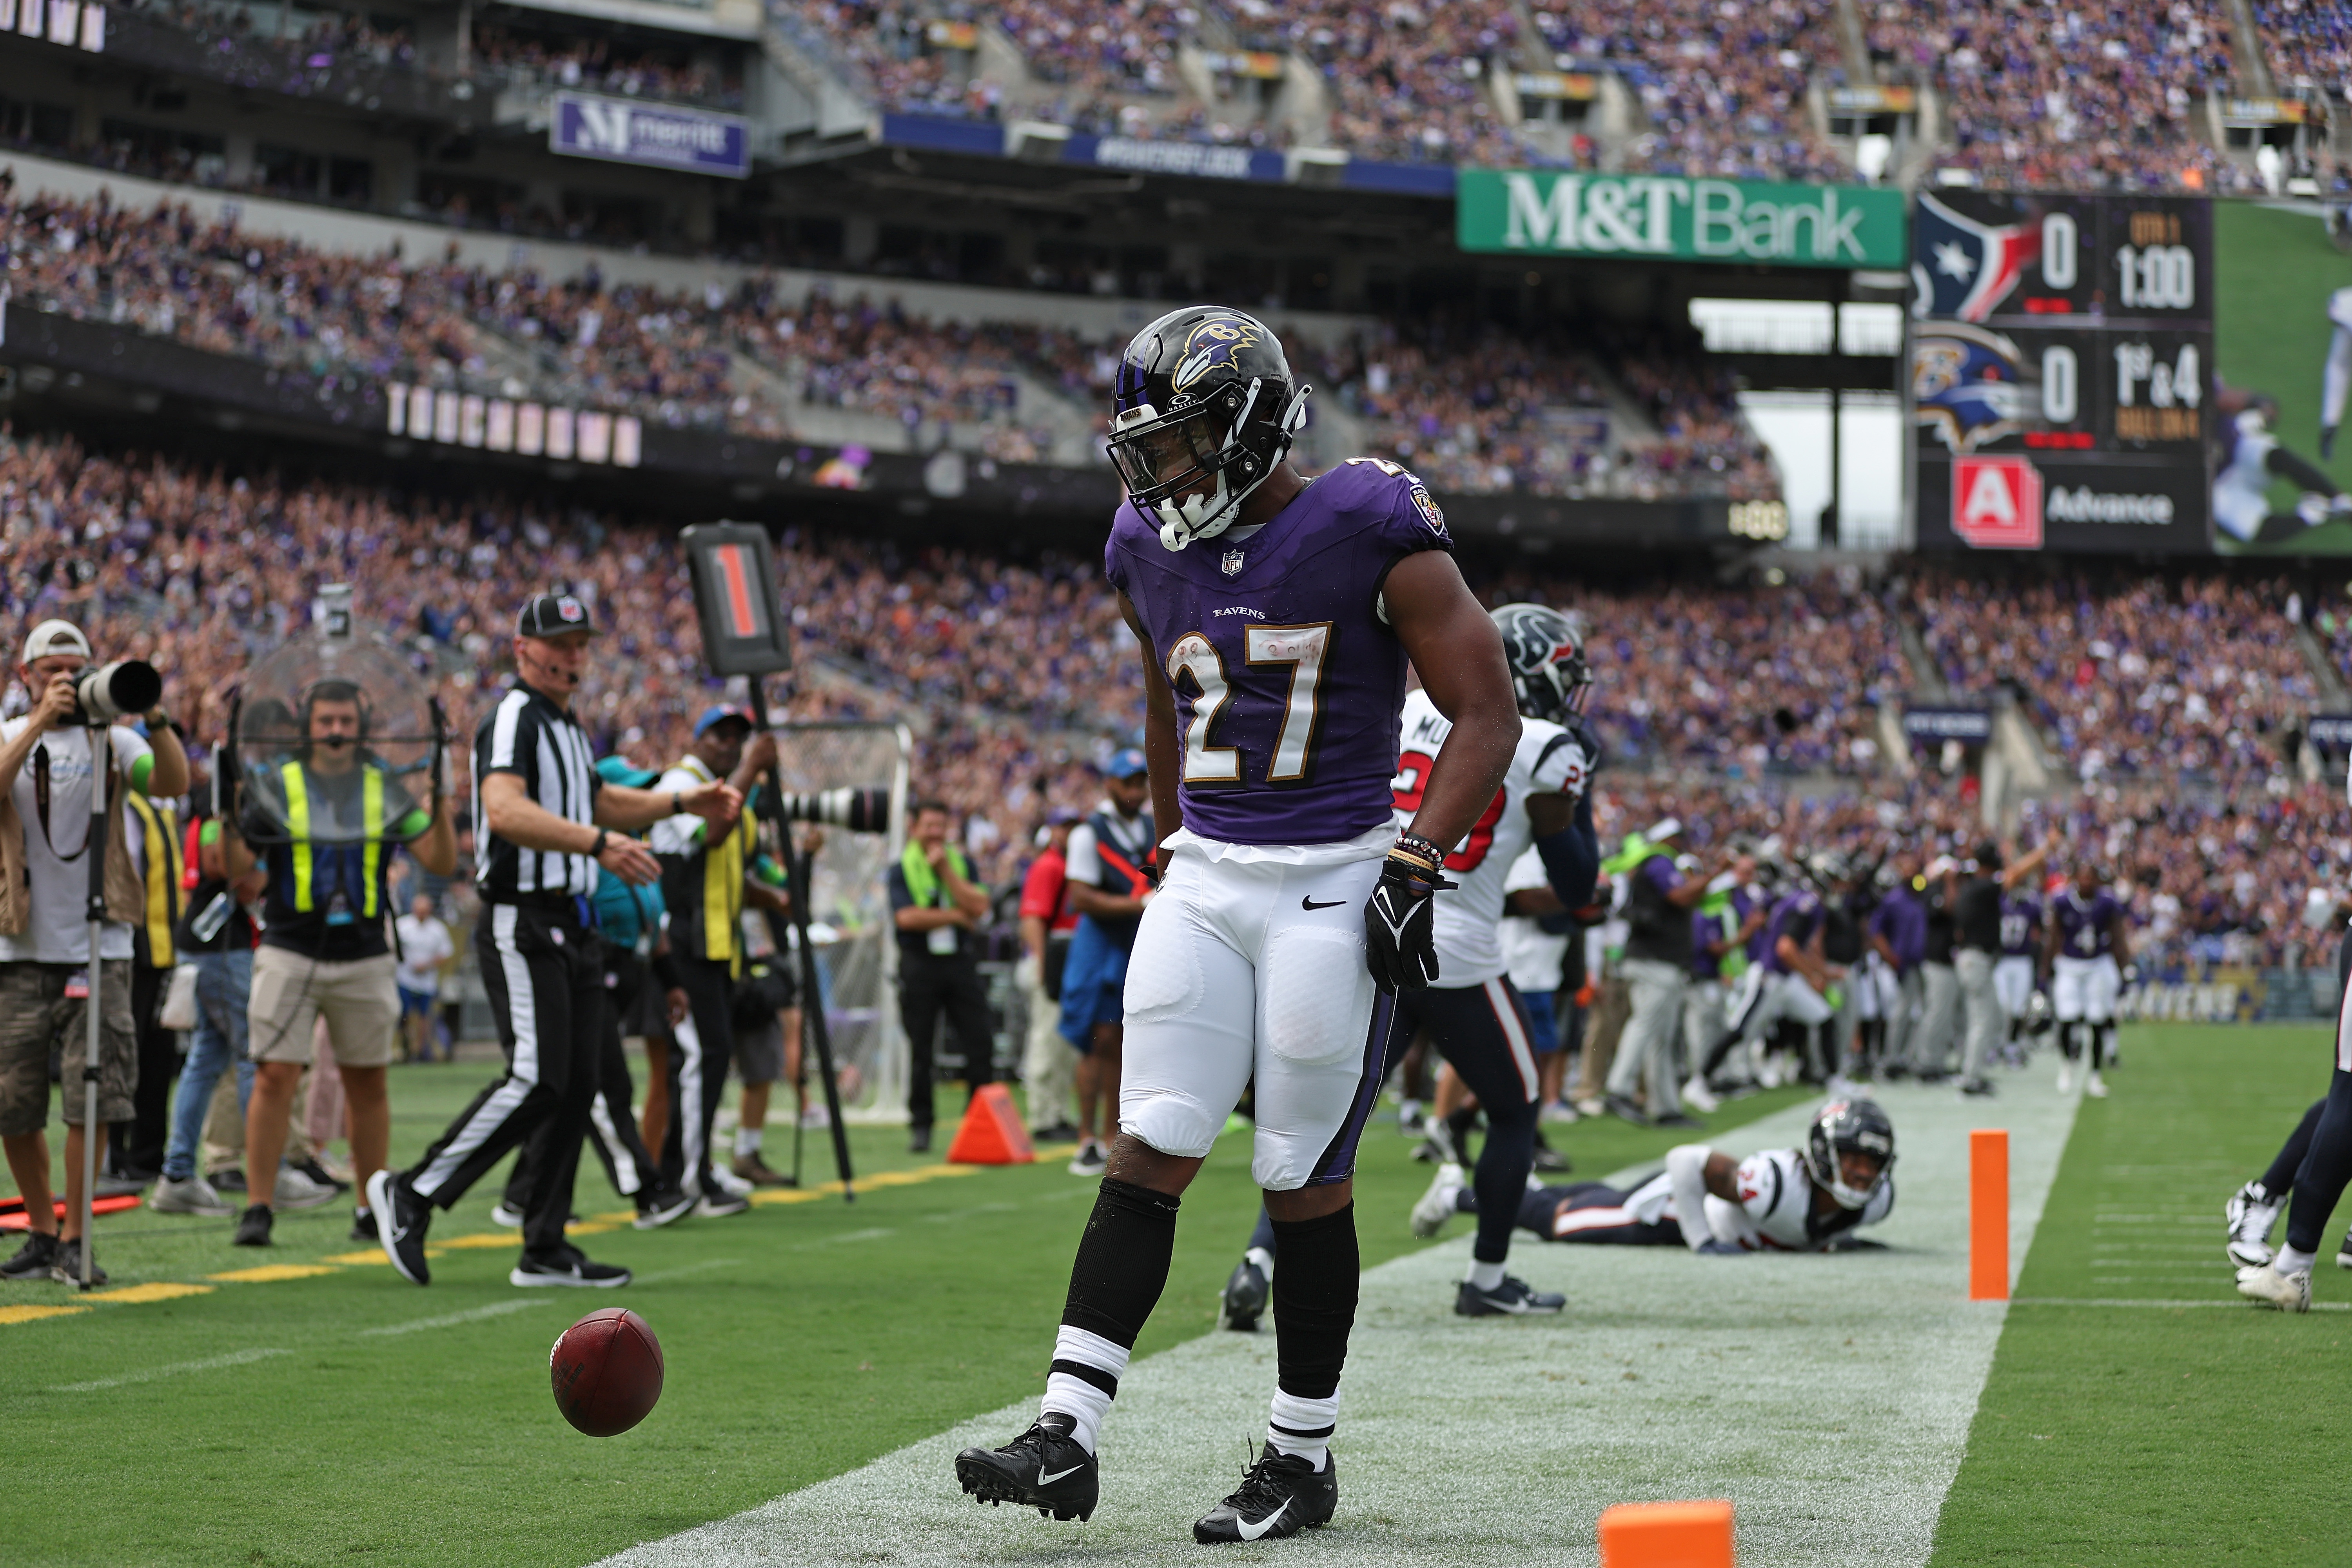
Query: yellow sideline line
(277,1273)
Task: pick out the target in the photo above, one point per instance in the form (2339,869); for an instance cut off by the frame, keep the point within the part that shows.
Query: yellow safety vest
(161,910)
(721,894)
(298,826)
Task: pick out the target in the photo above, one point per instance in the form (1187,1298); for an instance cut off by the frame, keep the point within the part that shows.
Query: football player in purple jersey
(2087,942)
(1276,617)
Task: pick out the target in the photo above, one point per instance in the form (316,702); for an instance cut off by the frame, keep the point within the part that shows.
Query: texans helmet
(1204,409)
(1849,1127)
(1547,658)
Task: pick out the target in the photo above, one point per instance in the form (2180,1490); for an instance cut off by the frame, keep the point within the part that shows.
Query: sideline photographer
(324,952)
(46,975)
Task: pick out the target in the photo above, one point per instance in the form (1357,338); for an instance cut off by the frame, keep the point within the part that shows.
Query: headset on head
(335,689)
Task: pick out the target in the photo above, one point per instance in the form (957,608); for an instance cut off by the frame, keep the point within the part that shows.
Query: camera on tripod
(111,691)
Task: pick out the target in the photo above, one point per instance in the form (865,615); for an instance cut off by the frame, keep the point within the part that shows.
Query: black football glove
(1399,923)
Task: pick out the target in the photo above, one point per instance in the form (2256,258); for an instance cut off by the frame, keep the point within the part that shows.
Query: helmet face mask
(1849,1127)
(1546,652)
(1204,412)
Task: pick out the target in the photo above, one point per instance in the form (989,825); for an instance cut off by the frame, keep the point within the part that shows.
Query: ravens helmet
(1849,1127)
(1204,410)
(1547,657)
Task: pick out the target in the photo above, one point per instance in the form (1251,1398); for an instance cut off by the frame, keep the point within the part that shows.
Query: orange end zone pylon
(1988,1215)
(992,1133)
(1666,1535)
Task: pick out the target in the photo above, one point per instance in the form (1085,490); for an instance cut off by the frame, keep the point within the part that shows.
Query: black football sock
(1501,1177)
(1461,1124)
(2098,1033)
(2279,1180)
(1313,1309)
(1115,1281)
(2326,1169)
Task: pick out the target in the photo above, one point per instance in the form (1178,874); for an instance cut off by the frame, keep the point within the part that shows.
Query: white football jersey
(1549,761)
(1776,1199)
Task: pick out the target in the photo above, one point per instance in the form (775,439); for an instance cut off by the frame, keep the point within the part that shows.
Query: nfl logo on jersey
(1231,563)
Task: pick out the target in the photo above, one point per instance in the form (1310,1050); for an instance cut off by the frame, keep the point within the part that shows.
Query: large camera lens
(126,686)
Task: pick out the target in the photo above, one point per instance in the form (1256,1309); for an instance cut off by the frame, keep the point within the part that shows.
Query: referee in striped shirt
(540,812)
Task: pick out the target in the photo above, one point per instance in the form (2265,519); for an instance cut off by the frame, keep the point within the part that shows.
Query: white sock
(2287,1260)
(746,1142)
(1486,1276)
(1302,1427)
(1071,1393)
(1263,1260)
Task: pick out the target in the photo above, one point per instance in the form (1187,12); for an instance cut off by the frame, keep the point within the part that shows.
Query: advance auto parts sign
(1675,218)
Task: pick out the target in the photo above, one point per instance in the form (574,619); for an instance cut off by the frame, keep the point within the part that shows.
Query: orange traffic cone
(992,1133)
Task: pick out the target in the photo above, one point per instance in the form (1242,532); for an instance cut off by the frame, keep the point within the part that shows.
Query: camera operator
(46,965)
(937,908)
(705,881)
(324,952)
(543,811)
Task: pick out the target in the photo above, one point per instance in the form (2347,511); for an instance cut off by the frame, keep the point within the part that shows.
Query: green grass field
(800,1340)
(2273,270)
(344,1415)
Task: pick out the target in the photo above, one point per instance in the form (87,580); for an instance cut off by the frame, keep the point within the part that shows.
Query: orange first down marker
(1988,1215)
(1666,1535)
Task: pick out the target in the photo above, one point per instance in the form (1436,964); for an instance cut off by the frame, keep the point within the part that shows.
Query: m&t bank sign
(1672,217)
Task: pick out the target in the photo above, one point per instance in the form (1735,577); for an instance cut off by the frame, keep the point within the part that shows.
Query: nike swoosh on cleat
(1249,1532)
(1311,904)
(1046,1480)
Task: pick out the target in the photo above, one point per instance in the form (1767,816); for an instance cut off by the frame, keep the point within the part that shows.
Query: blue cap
(1127,762)
(616,769)
(719,715)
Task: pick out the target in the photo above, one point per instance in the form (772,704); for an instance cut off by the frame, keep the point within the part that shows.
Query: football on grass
(607,1371)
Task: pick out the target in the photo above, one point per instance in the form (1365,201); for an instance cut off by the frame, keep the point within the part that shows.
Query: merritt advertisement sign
(660,136)
(1674,218)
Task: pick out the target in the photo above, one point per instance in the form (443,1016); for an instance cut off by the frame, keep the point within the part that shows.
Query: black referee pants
(612,1127)
(931,985)
(704,1045)
(545,973)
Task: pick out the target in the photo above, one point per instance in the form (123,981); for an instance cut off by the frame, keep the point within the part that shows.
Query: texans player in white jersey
(1476,1018)
(1291,912)
(1777,1200)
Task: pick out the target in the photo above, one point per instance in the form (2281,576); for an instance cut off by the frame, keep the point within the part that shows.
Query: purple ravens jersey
(1796,917)
(2021,925)
(1287,681)
(2084,925)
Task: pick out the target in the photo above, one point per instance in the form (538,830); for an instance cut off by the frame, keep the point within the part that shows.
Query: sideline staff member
(538,802)
(936,907)
(45,974)
(323,952)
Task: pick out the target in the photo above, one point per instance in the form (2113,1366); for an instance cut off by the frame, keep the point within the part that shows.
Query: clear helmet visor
(1167,457)
(336,742)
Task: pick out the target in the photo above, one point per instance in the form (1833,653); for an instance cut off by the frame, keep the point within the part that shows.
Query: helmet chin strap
(1206,515)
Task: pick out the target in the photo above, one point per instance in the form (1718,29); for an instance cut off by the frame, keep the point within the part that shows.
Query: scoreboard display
(2062,357)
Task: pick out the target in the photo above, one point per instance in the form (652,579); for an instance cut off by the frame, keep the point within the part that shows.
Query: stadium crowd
(1022,675)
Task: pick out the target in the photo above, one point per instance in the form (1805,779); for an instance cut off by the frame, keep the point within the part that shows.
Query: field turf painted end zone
(2169,1423)
(332,1413)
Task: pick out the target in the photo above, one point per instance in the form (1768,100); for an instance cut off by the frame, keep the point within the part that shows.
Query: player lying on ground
(1781,1200)
(1291,912)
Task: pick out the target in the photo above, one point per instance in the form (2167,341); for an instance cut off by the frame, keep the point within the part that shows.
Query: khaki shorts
(36,1017)
(360,1000)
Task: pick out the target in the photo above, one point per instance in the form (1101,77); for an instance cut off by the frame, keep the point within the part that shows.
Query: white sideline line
(451,1320)
(2240,1304)
(210,1364)
(1831,1397)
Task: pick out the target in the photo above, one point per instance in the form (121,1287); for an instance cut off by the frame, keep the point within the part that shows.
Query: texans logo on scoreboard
(1964,269)
(1231,563)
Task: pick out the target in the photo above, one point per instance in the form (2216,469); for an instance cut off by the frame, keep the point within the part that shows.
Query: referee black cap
(553,616)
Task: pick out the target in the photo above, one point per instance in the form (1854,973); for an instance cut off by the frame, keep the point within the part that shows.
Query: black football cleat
(1245,1297)
(1514,1298)
(400,1220)
(1044,1468)
(1279,1495)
